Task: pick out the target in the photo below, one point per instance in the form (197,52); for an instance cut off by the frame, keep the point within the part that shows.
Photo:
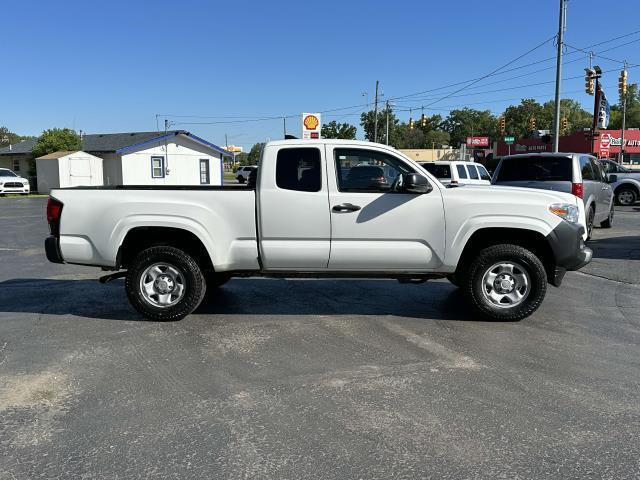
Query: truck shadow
(624,248)
(252,296)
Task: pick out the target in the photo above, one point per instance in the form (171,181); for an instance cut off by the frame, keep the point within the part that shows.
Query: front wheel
(626,196)
(608,223)
(164,283)
(240,179)
(506,282)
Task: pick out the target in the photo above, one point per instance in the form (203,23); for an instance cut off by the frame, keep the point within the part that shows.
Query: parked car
(501,246)
(625,182)
(10,182)
(242,174)
(576,173)
(458,173)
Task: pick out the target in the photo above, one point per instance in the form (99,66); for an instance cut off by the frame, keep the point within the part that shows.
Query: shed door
(79,171)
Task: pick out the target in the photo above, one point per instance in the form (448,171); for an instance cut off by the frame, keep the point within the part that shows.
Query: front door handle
(346,207)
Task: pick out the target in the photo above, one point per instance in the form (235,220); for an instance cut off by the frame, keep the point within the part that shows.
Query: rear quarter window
(539,169)
(438,171)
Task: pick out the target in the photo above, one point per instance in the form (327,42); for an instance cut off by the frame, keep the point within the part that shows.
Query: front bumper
(569,251)
(52,249)
(14,190)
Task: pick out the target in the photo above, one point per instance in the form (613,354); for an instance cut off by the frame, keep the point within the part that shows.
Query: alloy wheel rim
(162,285)
(506,284)
(625,197)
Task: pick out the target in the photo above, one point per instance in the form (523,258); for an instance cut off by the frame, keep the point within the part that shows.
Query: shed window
(204,171)
(157,167)
(15,165)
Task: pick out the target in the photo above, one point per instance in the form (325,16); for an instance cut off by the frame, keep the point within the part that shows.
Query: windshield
(545,169)
(438,171)
(7,173)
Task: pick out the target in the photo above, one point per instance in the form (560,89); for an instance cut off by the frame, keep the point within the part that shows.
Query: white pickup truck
(322,208)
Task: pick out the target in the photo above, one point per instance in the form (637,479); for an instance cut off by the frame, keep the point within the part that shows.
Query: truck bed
(95,220)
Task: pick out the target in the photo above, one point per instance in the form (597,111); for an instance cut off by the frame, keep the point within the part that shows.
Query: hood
(523,192)
(13,179)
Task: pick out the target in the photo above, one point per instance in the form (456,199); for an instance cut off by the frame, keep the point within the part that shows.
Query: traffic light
(589,81)
(565,124)
(410,123)
(622,83)
(423,120)
(503,125)
(532,123)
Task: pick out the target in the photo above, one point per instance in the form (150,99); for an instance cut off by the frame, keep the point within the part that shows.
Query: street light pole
(560,39)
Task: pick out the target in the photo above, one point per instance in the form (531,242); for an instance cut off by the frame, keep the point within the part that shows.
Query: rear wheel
(240,179)
(506,282)
(626,196)
(164,283)
(608,223)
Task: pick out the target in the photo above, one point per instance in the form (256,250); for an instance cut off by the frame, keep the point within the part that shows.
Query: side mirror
(416,183)
(613,178)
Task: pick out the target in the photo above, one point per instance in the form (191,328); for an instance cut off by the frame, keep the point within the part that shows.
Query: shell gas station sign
(311,126)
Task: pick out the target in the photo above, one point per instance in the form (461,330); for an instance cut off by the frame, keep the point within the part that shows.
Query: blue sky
(112,66)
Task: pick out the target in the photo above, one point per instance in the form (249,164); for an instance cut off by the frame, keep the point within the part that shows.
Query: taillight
(577,189)
(54,211)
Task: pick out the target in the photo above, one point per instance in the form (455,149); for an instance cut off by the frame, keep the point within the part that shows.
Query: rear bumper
(52,249)
(569,251)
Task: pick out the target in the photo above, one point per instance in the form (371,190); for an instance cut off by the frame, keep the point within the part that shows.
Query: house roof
(111,142)
(56,155)
(123,142)
(18,148)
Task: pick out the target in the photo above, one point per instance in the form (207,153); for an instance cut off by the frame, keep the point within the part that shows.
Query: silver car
(576,173)
(625,182)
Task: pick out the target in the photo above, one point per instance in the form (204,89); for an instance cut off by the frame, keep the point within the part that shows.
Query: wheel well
(630,186)
(529,239)
(141,238)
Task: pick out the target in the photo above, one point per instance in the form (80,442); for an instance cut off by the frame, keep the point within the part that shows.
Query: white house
(68,169)
(175,157)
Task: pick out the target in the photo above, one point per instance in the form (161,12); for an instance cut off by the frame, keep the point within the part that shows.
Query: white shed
(68,169)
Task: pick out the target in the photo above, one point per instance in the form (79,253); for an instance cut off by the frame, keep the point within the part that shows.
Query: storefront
(606,145)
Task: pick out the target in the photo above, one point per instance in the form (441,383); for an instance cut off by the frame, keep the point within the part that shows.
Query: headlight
(566,211)
(25,182)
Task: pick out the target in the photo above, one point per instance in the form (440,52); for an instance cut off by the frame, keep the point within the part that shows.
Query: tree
(7,137)
(254,154)
(633,110)
(465,122)
(436,138)
(577,117)
(518,118)
(334,129)
(367,120)
(57,139)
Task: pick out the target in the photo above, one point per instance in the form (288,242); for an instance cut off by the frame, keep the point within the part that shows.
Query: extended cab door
(374,227)
(293,211)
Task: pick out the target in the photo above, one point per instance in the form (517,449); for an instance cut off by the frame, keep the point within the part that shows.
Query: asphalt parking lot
(316,379)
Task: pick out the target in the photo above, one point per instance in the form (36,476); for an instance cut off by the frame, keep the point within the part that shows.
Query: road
(316,379)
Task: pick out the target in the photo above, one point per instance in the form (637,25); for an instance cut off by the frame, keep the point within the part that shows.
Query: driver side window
(360,170)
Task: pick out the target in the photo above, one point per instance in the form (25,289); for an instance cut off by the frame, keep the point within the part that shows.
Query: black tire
(484,263)
(453,280)
(626,196)
(215,280)
(190,278)
(240,179)
(590,219)
(608,223)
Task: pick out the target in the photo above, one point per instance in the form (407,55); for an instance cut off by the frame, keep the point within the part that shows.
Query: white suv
(458,173)
(12,183)
(242,174)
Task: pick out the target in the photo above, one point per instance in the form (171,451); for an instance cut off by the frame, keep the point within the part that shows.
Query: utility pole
(284,126)
(623,99)
(226,142)
(386,134)
(596,105)
(560,40)
(375,115)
